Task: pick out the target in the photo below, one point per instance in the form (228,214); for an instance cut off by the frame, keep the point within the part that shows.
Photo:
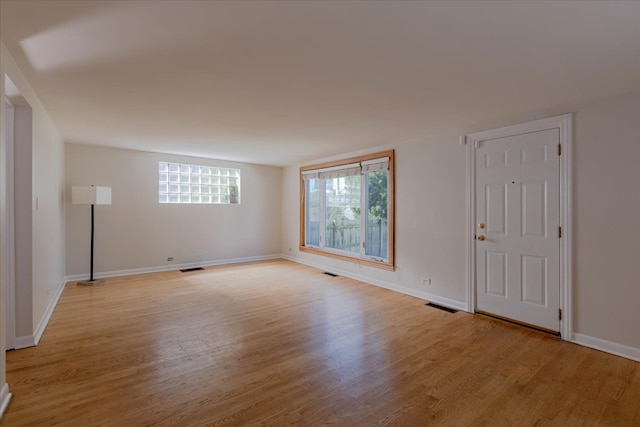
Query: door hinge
(559,232)
(559,314)
(559,149)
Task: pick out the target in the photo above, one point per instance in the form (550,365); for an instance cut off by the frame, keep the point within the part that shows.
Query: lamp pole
(91,195)
(91,271)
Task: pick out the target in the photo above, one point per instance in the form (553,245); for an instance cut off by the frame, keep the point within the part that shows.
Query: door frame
(564,123)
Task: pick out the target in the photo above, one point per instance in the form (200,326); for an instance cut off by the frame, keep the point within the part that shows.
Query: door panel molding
(564,124)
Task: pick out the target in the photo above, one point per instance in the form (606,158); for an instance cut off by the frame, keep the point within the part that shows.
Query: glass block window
(180,183)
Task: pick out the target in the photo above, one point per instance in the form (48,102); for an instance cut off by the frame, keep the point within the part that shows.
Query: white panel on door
(495,208)
(534,279)
(495,159)
(496,273)
(534,209)
(531,155)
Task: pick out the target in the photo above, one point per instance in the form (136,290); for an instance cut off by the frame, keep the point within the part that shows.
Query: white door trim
(564,124)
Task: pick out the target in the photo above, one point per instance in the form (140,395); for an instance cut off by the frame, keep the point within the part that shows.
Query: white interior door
(517,228)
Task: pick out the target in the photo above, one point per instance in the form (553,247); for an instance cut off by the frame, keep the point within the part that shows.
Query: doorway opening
(16,231)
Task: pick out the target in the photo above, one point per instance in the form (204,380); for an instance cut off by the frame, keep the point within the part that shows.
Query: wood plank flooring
(278,343)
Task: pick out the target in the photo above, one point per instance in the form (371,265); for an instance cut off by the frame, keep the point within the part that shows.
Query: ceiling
(285,82)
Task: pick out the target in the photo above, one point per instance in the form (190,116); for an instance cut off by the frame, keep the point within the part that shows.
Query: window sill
(354,259)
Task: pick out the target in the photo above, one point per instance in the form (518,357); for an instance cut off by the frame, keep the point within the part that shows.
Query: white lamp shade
(90,195)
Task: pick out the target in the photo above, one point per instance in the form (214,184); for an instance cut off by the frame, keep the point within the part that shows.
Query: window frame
(200,175)
(371,261)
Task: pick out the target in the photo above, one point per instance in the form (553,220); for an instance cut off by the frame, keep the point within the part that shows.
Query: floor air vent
(439,307)
(184,270)
(330,274)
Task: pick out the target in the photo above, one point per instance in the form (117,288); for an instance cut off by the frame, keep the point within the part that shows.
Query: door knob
(481,238)
(481,225)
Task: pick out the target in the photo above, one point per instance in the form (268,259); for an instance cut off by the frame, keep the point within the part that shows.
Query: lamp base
(91,282)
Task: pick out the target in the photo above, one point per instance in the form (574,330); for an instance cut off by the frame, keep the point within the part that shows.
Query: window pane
(377,227)
(234,198)
(342,213)
(312,212)
(197,184)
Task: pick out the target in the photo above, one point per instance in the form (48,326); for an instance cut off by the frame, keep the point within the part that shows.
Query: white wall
(48,220)
(431,218)
(136,232)
(429,239)
(23,183)
(47,214)
(4,238)
(607,215)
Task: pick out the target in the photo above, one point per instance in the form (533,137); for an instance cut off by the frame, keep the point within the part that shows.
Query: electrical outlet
(170,259)
(425,281)
(199,257)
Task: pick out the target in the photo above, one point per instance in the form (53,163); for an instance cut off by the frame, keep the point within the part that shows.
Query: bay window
(347,209)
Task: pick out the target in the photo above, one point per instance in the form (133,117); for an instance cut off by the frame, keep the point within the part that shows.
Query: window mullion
(364,208)
(321,225)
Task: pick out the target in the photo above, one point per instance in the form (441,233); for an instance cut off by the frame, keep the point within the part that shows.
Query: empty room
(347,213)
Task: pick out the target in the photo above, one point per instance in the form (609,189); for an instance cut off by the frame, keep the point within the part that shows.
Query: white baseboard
(171,267)
(5,397)
(25,341)
(607,346)
(447,302)
(33,340)
(48,312)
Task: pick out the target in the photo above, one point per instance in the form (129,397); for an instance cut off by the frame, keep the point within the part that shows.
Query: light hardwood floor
(278,343)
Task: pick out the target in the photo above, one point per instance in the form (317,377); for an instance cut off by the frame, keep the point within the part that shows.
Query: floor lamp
(91,195)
